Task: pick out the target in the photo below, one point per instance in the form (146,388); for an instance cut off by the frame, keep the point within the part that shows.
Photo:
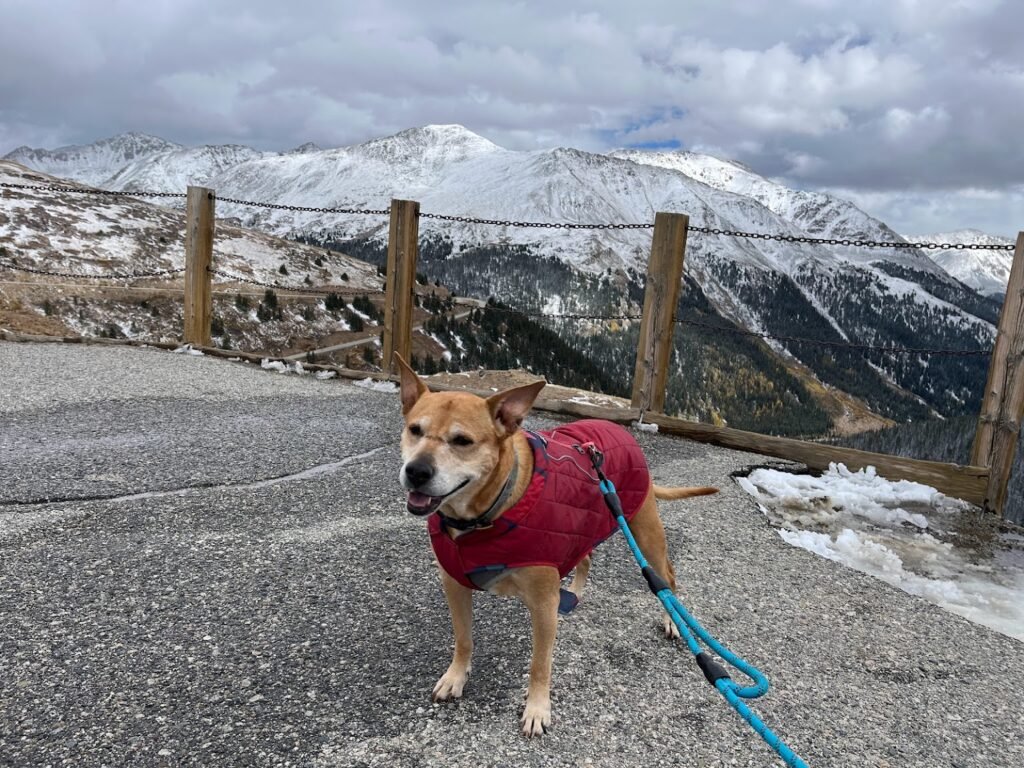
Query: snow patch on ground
(879,527)
(376,386)
(283,367)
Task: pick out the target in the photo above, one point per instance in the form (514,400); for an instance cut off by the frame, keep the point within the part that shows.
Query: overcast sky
(913,108)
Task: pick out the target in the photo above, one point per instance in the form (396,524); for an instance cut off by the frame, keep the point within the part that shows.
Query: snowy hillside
(814,213)
(882,297)
(80,234)
(985,271)
(92,235)
(135,161)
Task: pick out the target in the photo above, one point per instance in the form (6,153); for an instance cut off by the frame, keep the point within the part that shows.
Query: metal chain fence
(89,190)
(776,337)
(107,276)
(714,231)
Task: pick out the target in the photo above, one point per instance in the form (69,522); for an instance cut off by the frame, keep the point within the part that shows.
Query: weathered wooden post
(403,250)
(661,293)
(199,211)
(995,442)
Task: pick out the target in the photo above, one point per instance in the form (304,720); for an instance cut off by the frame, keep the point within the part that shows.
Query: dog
(512,512)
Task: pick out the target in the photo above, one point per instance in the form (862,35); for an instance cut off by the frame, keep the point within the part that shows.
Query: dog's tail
(669,494)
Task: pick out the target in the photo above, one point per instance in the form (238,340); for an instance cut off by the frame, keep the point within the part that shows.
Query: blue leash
(714,672)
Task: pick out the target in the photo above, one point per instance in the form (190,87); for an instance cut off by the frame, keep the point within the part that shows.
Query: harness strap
(714,672)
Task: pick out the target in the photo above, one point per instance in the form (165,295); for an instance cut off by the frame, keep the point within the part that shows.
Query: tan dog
(465,458)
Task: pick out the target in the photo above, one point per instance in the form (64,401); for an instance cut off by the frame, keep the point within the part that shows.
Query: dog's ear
(509,408)
(412,388)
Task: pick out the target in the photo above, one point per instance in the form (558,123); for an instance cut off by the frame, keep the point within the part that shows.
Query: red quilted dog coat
(561,517)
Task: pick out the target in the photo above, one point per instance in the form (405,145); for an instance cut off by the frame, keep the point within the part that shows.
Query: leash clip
(596,457)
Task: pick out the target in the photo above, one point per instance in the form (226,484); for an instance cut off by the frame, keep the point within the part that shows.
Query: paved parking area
(202,563)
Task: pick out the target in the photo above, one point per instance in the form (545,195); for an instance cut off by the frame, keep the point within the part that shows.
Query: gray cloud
(911,105)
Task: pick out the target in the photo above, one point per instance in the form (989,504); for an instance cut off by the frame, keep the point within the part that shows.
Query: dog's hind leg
(579,579)
(460,603)
(650,537)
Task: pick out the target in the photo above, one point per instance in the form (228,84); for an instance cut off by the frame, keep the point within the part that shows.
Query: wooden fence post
(661,293)
(995,442)
(199,211)
(403,250)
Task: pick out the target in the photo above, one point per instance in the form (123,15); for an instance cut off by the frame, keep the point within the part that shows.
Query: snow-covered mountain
(135,162)
(986,271)
(94,164)
(886,297)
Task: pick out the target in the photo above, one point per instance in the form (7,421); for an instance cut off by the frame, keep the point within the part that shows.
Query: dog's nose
(419,473)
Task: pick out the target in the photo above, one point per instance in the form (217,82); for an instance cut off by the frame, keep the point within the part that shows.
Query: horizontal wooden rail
(963,482)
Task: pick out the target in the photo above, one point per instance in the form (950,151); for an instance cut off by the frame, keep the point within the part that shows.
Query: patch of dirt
(33,324)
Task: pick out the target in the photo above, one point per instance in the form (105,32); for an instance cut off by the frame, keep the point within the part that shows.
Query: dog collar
(487,518)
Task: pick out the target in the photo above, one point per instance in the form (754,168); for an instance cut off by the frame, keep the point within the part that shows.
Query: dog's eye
(461,440)
(415,430)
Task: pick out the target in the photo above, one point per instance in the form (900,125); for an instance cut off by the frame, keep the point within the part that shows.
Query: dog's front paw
(451,684)
(671,630)
(536,717)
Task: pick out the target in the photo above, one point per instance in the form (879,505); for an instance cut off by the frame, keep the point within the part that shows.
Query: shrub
(355,322)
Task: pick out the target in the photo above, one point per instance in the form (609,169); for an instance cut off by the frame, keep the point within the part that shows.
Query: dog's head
(452,441)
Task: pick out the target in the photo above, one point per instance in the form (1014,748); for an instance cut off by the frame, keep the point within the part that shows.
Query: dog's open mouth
(420,504)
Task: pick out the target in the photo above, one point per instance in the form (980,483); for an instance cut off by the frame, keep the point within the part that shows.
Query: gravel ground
(299,622)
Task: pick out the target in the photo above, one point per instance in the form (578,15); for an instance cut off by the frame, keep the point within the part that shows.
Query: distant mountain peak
(986,271)
(305,149)
(434,135)
(966,236)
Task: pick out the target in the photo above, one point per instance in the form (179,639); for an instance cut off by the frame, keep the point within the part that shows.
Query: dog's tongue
(419,503)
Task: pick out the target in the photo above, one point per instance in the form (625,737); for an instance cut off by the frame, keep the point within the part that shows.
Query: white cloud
(924,212)
(875,96)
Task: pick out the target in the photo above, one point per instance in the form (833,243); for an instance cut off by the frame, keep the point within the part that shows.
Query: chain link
(303,208)
(843,344)
(89,191)
(323,291)
(531,224)
(741,332)
(510,311)
(110,276)
(850,243)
